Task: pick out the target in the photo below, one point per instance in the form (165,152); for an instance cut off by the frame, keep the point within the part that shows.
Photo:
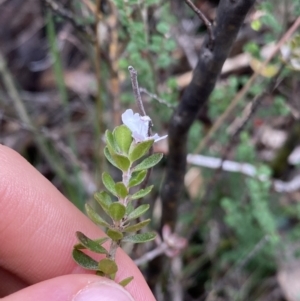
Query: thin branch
(160,100)
(151,254)
(136,91)
(257,248)
(242,168)
(205,21)
(226,165)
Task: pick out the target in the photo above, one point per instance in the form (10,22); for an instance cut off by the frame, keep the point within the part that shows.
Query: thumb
(73,288)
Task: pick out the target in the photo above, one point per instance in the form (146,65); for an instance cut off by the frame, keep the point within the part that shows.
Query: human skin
(37,234)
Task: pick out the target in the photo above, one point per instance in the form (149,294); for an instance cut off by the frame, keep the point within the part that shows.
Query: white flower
(139,126)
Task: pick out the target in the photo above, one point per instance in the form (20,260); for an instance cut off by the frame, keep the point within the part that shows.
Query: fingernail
(103,290)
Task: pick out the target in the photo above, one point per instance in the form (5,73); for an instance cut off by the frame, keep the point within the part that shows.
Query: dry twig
(205,21)
(154,96)
(136,91)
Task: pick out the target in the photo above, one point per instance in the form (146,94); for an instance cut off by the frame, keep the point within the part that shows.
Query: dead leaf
(193,181)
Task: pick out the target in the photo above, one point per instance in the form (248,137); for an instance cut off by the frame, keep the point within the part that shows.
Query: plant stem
(113,249)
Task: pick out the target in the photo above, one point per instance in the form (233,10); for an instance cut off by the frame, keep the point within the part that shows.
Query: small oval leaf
(101,240)
(84,260)
(137,227)
(138,212)
(95,217)
(114,234)
(122,162)
(141,193)
(110,141)
(109,183)
(140,238)
(123,138)
(109,157)
(121,190)
(90,244)
(79,247)
(137,178)
(103,199)
(270,70)
(116,211)
(149,162)
(107,266)
(139,150)
(99,273)
(129,208)
(126,281)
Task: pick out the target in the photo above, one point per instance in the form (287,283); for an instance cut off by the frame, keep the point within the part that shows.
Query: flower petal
(131,120)
(139,126)
(158,138)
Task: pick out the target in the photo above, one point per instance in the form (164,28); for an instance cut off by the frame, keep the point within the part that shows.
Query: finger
(73,288)
(37,226)
(9,283)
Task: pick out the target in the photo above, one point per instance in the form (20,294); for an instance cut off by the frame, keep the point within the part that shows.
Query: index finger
(37,227)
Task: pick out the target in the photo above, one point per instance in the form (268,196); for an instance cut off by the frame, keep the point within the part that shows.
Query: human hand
(37,234)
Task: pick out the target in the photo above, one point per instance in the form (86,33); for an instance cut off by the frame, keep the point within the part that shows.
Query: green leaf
(121,190)
(132,2)
(148,162)
(95,217)
(126,281)
(129,208)
(137,227)
(137,178)
(121,161)
(139,150)
(107,266)
(140,238)
(163,27)
(109,157)
(123,138)
(138,212)
(99,273)
(109,183)
(110,141)
(79,247)
(101,240)
(114,234)
(256,25)
(90,244)
(170,45)
(141,193)
(116,211)
(117,160)
(164,60)
(84,260)
(103,199)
